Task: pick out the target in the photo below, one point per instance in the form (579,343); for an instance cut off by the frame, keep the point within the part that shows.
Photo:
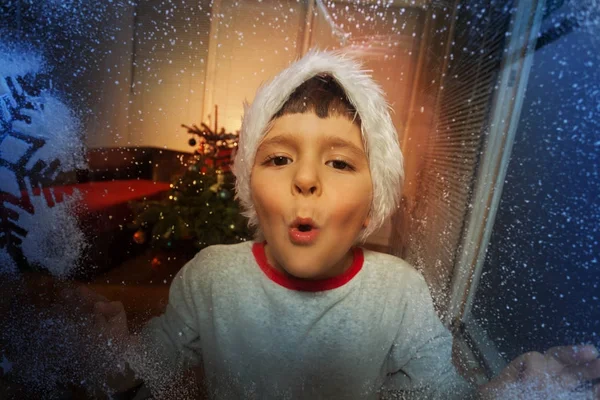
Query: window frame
(506,110)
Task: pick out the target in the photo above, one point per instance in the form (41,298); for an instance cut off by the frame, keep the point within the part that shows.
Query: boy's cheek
(353,197)
(266,202)
(350,213)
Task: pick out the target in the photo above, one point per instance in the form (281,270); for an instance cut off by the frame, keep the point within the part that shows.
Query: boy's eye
(279,160)
(339,164)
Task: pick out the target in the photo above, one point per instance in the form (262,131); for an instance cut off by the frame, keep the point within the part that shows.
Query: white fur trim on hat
(379,135)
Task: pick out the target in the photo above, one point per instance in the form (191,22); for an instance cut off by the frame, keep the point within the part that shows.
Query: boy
(303,312)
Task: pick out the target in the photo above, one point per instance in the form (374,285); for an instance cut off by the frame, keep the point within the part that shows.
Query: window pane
(540,285)
(114,119)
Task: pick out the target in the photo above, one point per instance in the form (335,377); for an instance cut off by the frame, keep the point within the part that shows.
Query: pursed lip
(303,237)
(304,221)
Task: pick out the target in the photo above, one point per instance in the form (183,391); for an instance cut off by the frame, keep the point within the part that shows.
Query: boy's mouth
(303,231)
(304,228)
(304,224)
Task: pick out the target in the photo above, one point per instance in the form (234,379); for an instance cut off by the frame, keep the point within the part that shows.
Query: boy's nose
(306,182)
(306,189)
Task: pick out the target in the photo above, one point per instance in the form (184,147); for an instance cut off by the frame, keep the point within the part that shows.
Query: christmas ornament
(156,263)
(139,237)
(220,181)
(192,142)
(224,194)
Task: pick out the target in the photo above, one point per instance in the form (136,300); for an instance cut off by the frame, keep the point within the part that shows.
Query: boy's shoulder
(226,251)
(223,255)
(386,267)
(386,261)
(221,259)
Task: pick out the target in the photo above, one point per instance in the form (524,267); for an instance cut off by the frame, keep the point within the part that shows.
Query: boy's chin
(309,272)
(304,272)
(306,263)
(306,275)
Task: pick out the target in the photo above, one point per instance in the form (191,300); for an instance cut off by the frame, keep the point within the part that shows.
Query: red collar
(258,249)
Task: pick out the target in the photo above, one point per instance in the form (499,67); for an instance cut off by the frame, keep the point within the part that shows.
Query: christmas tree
(200,205)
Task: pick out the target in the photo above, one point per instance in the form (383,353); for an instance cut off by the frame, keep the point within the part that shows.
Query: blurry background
(495,103)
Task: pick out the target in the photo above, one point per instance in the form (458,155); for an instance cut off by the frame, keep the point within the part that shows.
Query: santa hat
(379,136)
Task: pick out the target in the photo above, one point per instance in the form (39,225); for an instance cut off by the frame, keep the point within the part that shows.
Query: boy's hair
(322,95)
(342,78)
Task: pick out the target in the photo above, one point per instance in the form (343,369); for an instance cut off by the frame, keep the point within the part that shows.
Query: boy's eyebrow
(331,141)
(283,139)
(336,141)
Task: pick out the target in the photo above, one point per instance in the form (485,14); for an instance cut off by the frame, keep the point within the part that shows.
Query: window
(541,263)
(450,116)
(504,156)
(119,121)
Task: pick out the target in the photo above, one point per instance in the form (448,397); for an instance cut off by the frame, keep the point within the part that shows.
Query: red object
(98,196)
(155,264)
(258,249)
(222,160)
(103,206)
(101,195)
(139,237)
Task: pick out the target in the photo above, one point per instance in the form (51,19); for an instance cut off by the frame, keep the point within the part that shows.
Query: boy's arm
(561,371)
(420,362)
(109,326)
(170,344)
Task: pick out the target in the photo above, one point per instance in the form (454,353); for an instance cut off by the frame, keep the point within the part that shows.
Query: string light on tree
(199,209)
(156,263)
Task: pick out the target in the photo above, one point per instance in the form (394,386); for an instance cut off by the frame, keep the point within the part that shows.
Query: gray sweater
(262,335)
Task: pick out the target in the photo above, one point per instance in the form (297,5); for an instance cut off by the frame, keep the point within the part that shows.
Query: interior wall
(108,122)
(169,69)
(251,41)
(386,40)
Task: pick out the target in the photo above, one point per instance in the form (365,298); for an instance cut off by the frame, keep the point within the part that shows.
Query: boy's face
(308,167)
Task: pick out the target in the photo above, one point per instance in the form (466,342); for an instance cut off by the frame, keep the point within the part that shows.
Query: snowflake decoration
(37,134)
